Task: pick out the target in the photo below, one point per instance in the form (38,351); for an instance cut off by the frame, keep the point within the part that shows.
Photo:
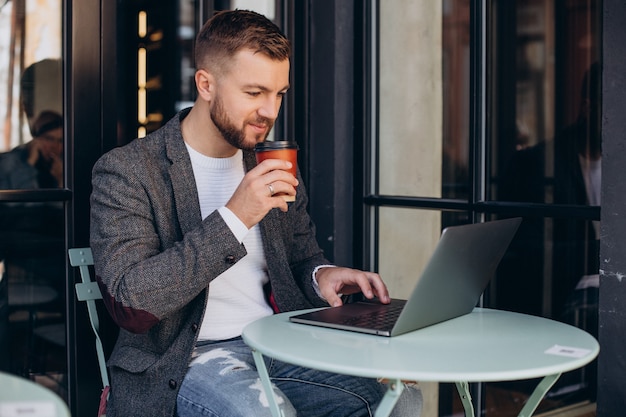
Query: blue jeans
(222,381)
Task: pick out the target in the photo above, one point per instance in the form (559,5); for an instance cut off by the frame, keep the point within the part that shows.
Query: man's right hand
(256,194)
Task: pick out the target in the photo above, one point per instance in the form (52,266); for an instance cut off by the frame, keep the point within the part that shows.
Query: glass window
(423,99)
(422,105)
(422,138)
(31,88)
(156,72)
(545,144)
(456,141)
(32,227)
(406,239)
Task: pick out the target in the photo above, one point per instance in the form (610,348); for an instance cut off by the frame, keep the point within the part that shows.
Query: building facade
(409,118)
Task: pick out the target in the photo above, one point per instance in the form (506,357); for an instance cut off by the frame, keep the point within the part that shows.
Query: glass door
(32,193)
(482,110)
(544,153)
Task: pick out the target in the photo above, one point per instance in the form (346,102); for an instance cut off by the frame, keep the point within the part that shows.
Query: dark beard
(232,134)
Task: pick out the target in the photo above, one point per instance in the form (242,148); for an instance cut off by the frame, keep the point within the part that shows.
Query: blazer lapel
(184,189)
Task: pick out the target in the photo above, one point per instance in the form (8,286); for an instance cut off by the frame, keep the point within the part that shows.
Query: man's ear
(205,84)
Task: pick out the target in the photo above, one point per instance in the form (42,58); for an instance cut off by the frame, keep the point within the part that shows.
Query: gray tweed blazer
(155,258)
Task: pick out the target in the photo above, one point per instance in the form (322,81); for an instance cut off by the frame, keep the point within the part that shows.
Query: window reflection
(545,142)
(563,168)
(410,99)
(423,119)
(542,152)
(38,162)
(30,31)
(455,34)
(32,258)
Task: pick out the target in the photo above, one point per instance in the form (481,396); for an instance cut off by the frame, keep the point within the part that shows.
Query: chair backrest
(88,291)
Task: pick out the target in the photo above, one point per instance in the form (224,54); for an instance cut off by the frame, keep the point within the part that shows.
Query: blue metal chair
(88,291)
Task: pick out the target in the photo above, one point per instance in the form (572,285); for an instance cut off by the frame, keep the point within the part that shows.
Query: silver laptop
(450,286)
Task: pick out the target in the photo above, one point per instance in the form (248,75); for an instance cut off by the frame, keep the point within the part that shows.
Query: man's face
(248,98)
(51,143)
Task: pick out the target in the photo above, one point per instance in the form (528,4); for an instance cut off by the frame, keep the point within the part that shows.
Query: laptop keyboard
(381,319)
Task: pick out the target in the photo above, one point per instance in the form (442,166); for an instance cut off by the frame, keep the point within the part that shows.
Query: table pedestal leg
(395,387)
(267,384)
(466,398)
(538,394)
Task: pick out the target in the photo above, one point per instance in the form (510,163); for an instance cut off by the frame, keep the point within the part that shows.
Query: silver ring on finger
(271,188)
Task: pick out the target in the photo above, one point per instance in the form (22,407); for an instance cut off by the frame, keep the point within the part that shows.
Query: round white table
(22,397)
(483,346)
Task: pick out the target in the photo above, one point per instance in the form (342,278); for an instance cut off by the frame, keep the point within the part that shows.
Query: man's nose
(270,108)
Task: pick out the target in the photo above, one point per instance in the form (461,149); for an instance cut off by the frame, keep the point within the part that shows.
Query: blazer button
(230,259)
(194,327)
(172,384)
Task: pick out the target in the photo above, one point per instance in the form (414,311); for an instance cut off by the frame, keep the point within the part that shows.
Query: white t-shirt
(236,297)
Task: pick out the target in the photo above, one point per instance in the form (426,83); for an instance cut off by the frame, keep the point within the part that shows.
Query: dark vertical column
(612,312)
(330,135)
(83,109)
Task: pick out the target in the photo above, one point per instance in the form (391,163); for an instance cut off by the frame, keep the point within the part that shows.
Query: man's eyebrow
(263,88)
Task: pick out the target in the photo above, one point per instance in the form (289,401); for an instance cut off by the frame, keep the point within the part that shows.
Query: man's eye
(253,93)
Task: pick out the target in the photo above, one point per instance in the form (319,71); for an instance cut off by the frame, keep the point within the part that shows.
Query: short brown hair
(230,31)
